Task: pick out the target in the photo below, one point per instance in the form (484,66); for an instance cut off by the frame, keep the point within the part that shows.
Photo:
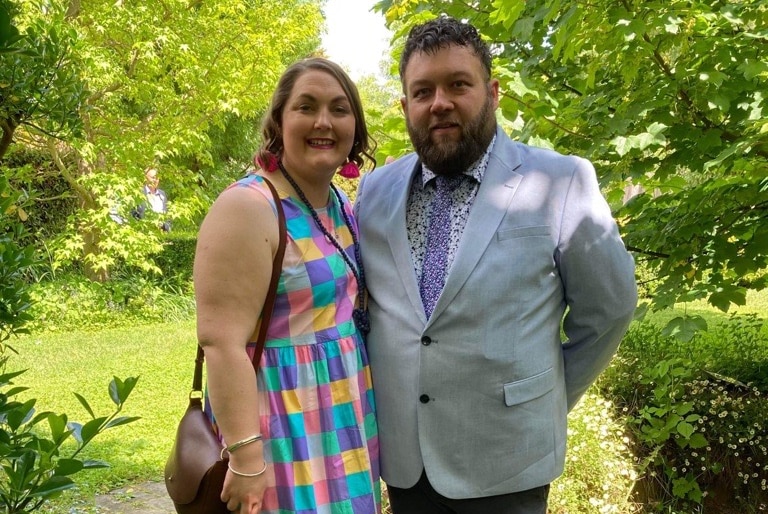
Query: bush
(15,260)
(699,434)
(73,302)
(176,260)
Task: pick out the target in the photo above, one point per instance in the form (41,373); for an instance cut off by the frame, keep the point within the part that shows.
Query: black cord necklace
(359,313)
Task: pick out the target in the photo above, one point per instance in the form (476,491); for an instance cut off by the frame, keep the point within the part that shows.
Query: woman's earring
(270,165)
(350,170)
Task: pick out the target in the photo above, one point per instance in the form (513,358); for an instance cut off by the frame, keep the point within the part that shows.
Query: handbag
(196,467)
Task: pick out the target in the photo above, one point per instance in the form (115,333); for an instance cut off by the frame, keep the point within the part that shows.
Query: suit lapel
(491,204)
(398,237)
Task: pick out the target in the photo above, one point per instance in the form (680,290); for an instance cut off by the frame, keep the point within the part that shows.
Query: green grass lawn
(161,355)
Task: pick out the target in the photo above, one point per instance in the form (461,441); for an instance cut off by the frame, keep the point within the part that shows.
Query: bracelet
(247,475)
(234,446)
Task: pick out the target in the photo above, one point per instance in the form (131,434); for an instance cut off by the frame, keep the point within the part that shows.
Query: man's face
(449,108)
(152,179)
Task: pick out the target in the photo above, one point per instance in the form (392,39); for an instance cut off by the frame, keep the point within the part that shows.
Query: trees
(39,87)
(666,97)
(159,82)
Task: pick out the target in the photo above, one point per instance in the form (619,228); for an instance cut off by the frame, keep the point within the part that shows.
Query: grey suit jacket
(478,394)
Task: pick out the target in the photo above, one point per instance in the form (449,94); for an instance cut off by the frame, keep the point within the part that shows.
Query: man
(156,198)
(472,380)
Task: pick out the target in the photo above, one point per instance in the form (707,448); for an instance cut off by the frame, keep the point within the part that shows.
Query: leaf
(58,425)
(622,145)
(685,429)
(124,420)
(682,486)
(684,328)
(697,440)
(76,429)
(723,299)
(6,378)
(52,486)
(506,13)
(68,467)
(15,390)
(85,404)
(21,413)
(91,429)
(120,390)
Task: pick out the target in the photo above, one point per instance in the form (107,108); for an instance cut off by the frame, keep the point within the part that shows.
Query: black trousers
(423,499)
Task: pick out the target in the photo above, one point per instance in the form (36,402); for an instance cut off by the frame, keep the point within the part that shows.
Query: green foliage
(700,433)
(384,117)
(176,259)
(155,88)
(161,354)
(665,96)
(71,302)
(599,469)
(35,468)
(39,85)
(15,260)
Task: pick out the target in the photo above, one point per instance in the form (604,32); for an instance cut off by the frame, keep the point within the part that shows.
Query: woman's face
(318,126)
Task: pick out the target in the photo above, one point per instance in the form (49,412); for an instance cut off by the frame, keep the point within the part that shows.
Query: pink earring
(350,170)
(270,165)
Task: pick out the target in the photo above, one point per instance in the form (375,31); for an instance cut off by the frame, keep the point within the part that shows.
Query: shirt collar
(475,171)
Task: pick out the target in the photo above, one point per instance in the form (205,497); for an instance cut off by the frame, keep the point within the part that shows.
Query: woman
(312,403)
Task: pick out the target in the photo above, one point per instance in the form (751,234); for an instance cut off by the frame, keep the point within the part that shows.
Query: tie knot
(447,183)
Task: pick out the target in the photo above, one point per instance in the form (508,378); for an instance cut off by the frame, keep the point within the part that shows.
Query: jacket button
(426,340)
(424,398)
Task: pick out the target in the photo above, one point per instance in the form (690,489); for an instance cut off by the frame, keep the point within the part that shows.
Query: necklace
(359,313)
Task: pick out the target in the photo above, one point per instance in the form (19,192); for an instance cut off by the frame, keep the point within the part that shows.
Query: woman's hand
(243,495)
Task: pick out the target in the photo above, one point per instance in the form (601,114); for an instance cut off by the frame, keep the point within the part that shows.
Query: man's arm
(599,282)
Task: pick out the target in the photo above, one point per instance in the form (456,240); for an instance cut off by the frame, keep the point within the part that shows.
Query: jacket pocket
(532,231)
(528,389)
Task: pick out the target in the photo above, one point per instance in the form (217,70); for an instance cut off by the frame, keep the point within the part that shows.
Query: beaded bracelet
(247,475)
(234,446)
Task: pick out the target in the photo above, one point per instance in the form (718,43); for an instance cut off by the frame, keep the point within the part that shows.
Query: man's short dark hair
(440,33)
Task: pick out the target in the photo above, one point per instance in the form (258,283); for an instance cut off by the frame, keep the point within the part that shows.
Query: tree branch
(82,192)
(552,122)
(650,253)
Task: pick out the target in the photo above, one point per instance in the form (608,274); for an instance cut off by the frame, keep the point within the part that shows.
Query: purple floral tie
(434,267)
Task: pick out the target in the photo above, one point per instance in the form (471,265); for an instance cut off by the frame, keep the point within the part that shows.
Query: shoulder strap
(269,302)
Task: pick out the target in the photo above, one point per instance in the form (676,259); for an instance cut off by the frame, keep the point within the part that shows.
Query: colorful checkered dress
(317,409)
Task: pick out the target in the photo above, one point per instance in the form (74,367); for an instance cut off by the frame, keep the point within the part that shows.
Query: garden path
(141,498)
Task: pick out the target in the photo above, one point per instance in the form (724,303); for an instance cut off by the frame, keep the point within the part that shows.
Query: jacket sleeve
(598,279)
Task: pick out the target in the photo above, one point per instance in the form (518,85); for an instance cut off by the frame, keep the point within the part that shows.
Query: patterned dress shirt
(419,202)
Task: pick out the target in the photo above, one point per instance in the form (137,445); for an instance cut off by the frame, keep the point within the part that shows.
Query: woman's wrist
(248,458)
(239,444)
(246,474)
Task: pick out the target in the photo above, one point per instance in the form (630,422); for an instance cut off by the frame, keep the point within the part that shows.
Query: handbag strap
(269,302)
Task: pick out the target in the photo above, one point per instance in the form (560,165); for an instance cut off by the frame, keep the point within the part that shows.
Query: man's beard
(455,157)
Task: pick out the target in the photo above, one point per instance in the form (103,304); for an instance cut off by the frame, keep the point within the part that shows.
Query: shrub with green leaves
(36,462)
(175,261)
(72,302)
(15,259)
(699,433)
